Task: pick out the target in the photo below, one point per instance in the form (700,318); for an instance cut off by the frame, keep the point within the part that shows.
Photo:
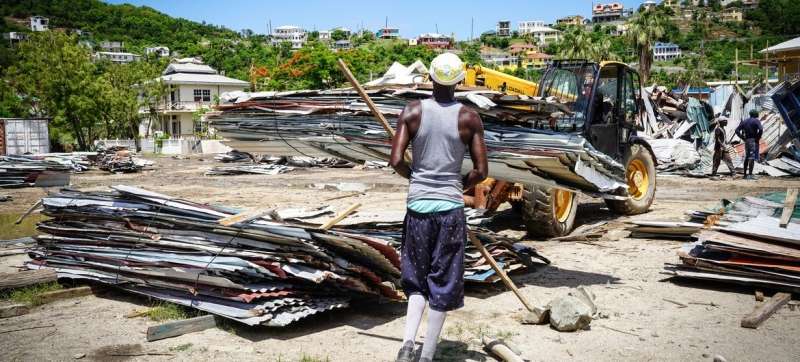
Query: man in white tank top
(440,131)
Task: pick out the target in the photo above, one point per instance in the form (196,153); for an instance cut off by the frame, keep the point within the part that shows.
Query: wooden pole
(372,107)
(503,276)
(340,217)
(737,66)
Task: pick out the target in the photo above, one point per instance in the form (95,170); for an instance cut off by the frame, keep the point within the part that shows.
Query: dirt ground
(626,276)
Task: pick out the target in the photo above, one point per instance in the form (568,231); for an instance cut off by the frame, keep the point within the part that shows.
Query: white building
(295,35)
(503,28)
(324,35)
(191,86)
(15,37)
(666,51)
(158,51)
(112,46)
(40,23)
(118,57)
(542,33)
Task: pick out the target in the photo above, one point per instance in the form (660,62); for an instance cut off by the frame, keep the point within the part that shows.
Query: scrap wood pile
(118,159)
(740,242)
(260,272)
(336,123)
(682,129)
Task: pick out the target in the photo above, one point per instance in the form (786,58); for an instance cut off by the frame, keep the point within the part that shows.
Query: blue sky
(411,16)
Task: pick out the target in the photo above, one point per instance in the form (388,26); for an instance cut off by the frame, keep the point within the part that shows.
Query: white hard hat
(447,69)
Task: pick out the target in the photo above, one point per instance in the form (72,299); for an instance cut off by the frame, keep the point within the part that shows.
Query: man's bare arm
(477,149)
(402,138)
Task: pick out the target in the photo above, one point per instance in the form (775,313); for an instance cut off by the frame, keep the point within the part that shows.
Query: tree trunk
(645,62)
(76,128)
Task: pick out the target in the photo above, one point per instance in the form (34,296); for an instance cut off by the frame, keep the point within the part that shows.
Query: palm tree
(577,43)
(645,29)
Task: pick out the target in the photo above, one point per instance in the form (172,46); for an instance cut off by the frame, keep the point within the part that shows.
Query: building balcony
(179,107)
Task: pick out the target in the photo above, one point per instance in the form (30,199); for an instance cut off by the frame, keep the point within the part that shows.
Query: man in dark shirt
(721,147)
(750,131)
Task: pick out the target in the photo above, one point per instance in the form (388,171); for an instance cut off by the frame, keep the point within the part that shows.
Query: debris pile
(751,241)
(234,156)
(519,133)
(118,159)
(255,272)
(23,171)
(259,169)
(681,129)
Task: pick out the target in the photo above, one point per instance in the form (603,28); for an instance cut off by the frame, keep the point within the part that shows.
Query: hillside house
(574,20)
(503,28)
(295,35)
(112,46)
(541,33)
(40,23)
(157,51)
(191,86)
(388,33)
(611,12)
(435,41)
(118,57)
(666,51)
(15,37)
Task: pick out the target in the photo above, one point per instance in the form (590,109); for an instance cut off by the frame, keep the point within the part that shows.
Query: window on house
(202,95)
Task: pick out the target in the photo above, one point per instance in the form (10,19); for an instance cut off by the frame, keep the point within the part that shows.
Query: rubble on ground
(259,272)
(26,170)
(740,242)
(118,159)
(680,129)
(336,123)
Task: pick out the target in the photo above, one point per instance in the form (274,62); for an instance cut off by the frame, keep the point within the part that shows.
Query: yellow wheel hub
(638,180)
(563,204)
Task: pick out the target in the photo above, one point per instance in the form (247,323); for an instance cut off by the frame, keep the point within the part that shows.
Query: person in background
(721,148)
(750,131)
(440,131)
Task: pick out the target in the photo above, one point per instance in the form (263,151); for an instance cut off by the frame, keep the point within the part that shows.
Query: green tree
(577,43)
(644,30)
(338,34)
(56,75)
(471,53)
(777,17)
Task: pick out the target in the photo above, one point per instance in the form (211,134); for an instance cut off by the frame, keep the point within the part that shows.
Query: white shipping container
(26,136)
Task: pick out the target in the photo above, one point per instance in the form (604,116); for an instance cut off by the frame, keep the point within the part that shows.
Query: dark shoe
(406,353)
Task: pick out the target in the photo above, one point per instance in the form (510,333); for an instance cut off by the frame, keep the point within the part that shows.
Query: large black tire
(538,211)
(639,202)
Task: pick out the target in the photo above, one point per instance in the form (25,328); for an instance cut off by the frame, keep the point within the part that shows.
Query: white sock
(435,323)
(416,306)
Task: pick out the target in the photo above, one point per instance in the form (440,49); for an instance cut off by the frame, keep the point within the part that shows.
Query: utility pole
(471,29)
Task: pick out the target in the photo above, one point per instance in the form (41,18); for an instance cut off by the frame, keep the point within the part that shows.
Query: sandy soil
(626,275)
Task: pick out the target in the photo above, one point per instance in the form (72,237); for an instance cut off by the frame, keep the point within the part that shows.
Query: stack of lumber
(753,241)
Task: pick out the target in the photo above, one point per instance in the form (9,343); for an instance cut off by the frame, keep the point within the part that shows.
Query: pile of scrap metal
(752,241)
(270,165)
(27,170)
(336,123)
(682,128)
(245,169)
(118,159)
(254,271)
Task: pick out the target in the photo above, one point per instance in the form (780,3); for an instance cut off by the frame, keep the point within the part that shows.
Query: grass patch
(163,311)
(181,347)
(31,295)
(307,358)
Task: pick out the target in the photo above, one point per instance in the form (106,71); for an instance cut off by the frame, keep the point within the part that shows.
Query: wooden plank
(243,217)
(65,294)
(178,328)
(765,310)
(340,217)
(788,207)
(372,107)
(538,314)
(13,310)
(26,278)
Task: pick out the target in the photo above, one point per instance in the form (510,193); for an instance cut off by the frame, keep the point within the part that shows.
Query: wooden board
(64,294)
(178,328)
(26,278)
(788,207)
(763,311)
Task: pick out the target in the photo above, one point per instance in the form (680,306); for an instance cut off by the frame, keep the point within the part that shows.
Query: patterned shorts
(751,149)
(432,260)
